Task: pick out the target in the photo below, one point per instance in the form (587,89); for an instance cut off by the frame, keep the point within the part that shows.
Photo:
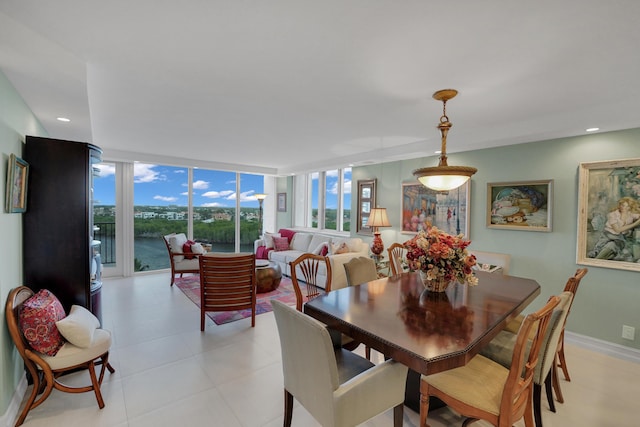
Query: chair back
(308,358)
(492,258)
(518,389)
(396,254)
(360,270)
(227,283)
(549,345)
(16,297)
(306,269)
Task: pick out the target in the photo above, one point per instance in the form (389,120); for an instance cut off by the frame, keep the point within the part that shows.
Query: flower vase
(436,285)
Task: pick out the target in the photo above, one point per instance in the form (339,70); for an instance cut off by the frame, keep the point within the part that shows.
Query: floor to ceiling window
(323,200)
(160,195)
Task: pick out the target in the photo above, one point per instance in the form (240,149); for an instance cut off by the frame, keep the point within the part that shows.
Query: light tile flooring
(168,373)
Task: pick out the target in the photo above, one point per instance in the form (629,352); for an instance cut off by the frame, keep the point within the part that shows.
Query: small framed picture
(16,194)
(282,202)
(366,201)
(609,214)
(523,205)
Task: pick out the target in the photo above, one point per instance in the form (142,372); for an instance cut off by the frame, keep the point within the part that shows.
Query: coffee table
(268,276)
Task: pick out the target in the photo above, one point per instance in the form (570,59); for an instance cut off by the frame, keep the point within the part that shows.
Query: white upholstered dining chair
(337,387)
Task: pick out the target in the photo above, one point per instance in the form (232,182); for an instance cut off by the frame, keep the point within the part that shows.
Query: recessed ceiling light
(63,119)
(592,129)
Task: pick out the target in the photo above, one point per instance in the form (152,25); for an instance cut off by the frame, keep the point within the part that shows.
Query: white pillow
(268,239)
(318,248)
(78,327)
(197,248)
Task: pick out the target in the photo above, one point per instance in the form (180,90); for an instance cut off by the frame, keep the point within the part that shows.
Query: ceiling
(285,86)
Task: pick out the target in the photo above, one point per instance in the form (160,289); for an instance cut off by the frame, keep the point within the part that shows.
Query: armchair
(180,262)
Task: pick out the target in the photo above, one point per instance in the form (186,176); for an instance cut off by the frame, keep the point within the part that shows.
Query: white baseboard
(10,416)
(604,347)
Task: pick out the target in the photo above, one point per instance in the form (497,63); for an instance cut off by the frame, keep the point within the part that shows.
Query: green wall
(16,120)
(608,298)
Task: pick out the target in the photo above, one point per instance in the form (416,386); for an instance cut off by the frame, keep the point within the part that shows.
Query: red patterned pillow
(281,243)
(186,249)
(37,321)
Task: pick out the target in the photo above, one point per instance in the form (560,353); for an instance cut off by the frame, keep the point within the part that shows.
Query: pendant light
(444,177)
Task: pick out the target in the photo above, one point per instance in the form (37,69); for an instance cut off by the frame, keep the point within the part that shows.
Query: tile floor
(168,373)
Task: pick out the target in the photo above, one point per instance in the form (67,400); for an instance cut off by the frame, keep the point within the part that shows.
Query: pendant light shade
(444,177)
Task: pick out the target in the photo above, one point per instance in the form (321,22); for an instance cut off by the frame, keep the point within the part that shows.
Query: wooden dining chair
(396,253)
(227,283)
(484,389)
(308,268)
(500,350)
(571,286)
(337,387)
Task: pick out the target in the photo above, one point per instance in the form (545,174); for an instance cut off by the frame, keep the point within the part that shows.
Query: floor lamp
(260,198)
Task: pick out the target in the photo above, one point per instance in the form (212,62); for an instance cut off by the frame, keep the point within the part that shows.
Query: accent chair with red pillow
(37,321)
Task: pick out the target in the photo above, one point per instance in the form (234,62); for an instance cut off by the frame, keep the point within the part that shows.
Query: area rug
(190,286)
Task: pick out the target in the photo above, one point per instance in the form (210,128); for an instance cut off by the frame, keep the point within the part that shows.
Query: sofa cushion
(281,243)
(78,327)
(268,239)
(301,242)
(285,232)
(322,247)
(37,320)
(316,241)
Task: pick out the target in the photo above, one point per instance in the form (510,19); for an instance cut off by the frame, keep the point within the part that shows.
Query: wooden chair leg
(288,408)
(367,352)
(424,403)
(537,391)
(549,390)
(398,414)
(556,383)
(563,363)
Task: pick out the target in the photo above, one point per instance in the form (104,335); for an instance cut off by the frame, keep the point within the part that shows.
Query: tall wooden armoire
(59,249)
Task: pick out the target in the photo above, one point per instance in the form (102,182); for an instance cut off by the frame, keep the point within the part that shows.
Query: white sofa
(306,242)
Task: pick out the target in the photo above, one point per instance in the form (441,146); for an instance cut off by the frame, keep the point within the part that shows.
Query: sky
(159,185)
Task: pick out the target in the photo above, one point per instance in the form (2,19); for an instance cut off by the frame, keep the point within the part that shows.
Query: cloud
(212,205)
(105,169)
(144,173)
(218,194)
(200,185)
(165,198)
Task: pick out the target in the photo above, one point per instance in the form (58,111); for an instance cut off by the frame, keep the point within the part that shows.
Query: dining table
(427,331)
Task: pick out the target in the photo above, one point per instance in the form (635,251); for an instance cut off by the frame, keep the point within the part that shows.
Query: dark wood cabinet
(58,224)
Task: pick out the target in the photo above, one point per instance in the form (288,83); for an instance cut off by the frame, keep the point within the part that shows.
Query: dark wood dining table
(427,331)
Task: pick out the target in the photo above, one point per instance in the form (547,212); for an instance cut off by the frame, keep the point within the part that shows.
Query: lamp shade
(444,178)
(378,218)
(261,196)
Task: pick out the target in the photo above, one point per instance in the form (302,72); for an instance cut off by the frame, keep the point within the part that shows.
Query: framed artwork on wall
(448,210)
(282,202)
(366,201)
(522,205)
(16,194)
(609,214)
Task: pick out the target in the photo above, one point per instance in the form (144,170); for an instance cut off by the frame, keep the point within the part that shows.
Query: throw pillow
(186,249)
(197,249)
(281,243)
(318,250)
(341,248)
(325,250)
(37,320)
(78,327)
(268,239)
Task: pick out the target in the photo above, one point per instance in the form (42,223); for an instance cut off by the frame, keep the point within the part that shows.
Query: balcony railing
(107,236)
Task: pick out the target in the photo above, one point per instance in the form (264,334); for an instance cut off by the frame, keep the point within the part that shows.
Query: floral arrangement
(441,256)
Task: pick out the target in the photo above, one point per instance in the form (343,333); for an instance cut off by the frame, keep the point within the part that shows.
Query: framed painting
(447,210)
(282,202)
(366,201)
(523,205)
(16,194)
(609,214)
